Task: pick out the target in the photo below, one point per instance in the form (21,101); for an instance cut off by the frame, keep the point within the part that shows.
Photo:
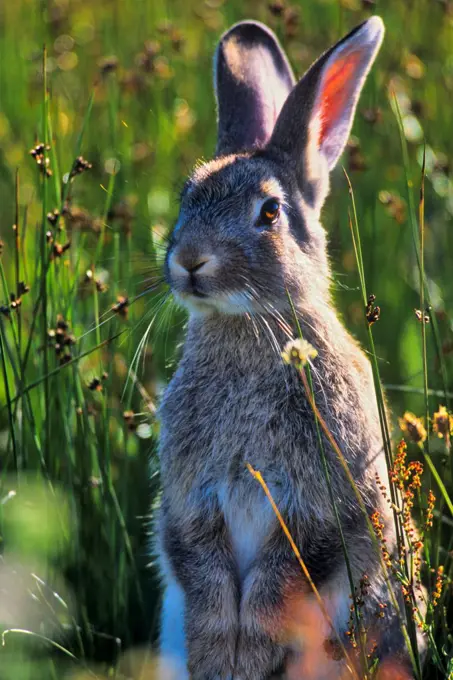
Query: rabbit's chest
(228,422)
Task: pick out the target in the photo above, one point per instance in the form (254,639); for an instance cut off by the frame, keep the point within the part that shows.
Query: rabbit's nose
(203,264)
(193,267)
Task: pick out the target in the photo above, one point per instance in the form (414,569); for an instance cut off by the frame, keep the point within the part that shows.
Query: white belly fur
(249,523)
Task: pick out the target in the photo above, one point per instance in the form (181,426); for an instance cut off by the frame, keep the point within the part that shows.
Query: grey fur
(252,80)
(233,401)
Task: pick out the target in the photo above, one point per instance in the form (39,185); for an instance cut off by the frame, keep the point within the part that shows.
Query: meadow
(105,106)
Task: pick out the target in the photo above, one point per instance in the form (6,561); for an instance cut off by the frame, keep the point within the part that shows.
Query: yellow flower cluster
(443,425)
(413,427)
(298,352)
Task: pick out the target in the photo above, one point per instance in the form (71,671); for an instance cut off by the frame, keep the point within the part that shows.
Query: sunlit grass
(127,87)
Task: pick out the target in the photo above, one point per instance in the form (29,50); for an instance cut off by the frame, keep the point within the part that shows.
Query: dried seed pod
(122,306)
(108,64)
(59,249)
(80,165)
(22,288)
(95,385)
(276,8)
(422,316)
(372,312)
(52,217)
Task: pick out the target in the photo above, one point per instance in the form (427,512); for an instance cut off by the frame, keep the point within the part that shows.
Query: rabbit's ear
(316,120)
(252,80)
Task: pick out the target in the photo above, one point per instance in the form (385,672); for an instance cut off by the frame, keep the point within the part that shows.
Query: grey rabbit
(247,241)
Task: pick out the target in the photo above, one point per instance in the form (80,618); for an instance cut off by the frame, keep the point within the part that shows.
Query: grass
(127,87)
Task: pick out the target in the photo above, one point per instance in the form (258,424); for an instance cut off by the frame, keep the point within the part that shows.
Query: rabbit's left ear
(252,79)
(315,122)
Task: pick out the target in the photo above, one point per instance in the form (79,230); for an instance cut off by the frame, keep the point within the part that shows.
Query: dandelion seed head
(298,352)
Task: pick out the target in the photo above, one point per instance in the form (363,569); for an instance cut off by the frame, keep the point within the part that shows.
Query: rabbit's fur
(232,583)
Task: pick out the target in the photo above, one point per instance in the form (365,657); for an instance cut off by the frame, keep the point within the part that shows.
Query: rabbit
(247,252)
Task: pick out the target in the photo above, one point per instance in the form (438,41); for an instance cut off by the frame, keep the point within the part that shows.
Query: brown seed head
(413,427)
(442,422)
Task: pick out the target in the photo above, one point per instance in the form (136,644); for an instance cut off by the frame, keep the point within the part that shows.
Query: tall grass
(126,86)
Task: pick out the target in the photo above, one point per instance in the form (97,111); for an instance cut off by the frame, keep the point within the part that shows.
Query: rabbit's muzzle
(189,271)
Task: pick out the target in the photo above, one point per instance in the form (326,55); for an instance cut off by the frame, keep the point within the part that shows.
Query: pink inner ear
(337,88)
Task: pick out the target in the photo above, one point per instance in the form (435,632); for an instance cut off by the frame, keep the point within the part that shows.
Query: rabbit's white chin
(232,304)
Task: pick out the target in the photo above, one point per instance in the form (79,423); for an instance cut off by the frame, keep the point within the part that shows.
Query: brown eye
(270,211)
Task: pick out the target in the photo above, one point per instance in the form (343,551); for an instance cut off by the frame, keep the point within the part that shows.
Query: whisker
(142,343)
(319,381)
(147,290)
(267,329)
(248,315)
(98,325)
(281,321)
(112,315)
(269,308)
(152,278)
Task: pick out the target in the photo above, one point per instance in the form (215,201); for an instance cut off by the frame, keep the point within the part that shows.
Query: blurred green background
(130,89)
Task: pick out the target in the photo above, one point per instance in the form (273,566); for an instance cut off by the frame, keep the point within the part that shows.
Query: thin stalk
(355,232)
(44,255)
(17,254)
(421,216)
(416,238)
(426,296)
(48,641)
(57,370)
(8,400)
(415,390)
(65,191)
(28,410)
(439,481)
(426,451)
(54,160)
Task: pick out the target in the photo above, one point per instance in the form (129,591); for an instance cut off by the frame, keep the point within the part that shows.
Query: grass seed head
(121,306)
(422,316)
(108,65)
(22,288)
(59,249)
(413,427)
(95,385)
(442,423)
(372,312)
(80,166)
(438,585)
(276,8)
(129,419)
(430,510)
(52,217)
(39,153)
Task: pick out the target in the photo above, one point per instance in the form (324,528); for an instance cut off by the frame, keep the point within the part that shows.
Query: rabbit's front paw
(257,656)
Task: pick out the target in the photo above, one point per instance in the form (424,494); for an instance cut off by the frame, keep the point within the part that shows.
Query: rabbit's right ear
(315,122)
(252,80)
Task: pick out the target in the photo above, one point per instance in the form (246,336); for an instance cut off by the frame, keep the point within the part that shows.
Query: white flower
(298,352)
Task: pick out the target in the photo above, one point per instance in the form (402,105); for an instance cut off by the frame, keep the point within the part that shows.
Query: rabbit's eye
(270,211)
